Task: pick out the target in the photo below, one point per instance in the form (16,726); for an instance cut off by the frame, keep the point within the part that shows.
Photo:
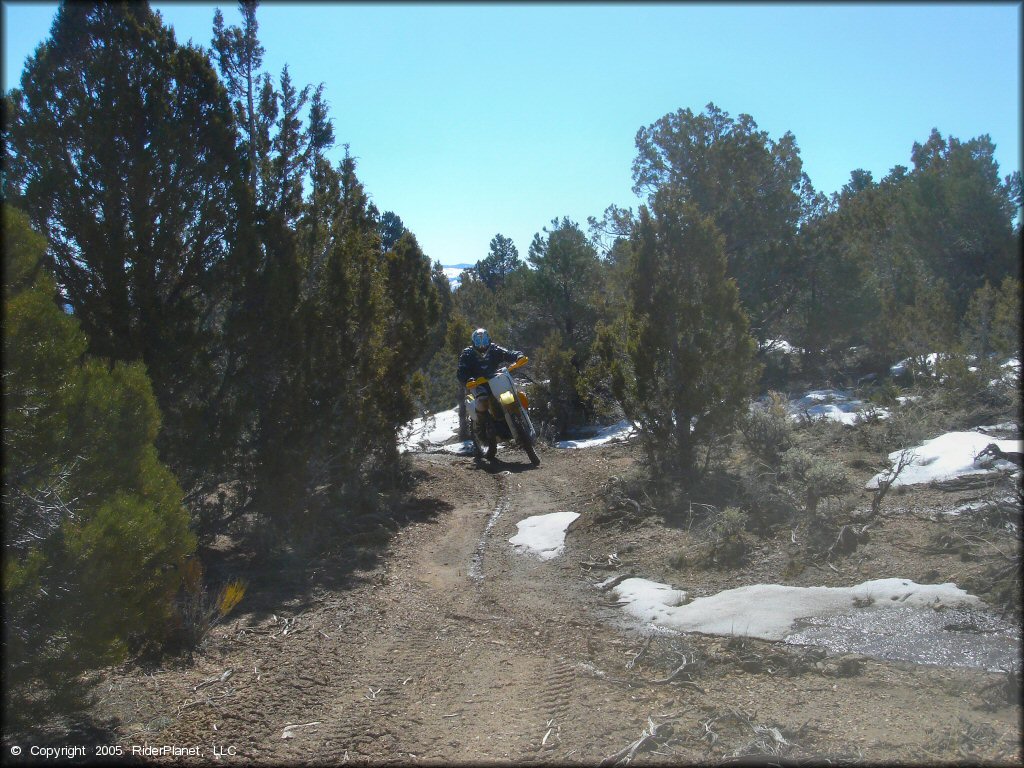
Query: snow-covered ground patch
(543,535)
(835,405)
(429,432)
(620,432)
(439,432)
(769,611)
(885,618)
(779,345)
(1004,428)
(946,457)
(906,366)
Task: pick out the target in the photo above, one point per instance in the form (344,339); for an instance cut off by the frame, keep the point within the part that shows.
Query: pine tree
(502,260)
(94,528)
(391,228)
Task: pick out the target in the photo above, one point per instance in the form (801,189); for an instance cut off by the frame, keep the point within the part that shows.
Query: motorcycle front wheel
(523,437)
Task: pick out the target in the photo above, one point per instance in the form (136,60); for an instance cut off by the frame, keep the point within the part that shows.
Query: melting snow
(770,611)
(432,430)
(616,432)
(440,432)
(946,457)
(835,405)
(544,535)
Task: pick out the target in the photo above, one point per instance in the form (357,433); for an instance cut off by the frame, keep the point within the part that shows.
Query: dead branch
(221,678)
(889,477)
(287,733)
(625,755)
(614,582)
(632,662)
(672,678)
(611,564)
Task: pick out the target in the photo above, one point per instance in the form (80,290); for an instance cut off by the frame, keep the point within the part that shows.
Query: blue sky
(469,120)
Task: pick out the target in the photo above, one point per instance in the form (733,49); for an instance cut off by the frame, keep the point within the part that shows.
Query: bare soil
(451,647)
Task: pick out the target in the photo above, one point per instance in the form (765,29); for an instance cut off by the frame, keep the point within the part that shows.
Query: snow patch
(430,431)
(778,345)
(543,535)
(946,457)
(770,611)
(834,405)
(619,432)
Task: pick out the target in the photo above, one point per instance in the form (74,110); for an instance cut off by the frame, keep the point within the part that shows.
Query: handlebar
(483,379)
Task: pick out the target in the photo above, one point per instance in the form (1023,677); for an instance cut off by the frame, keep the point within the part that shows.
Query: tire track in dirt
(449,659)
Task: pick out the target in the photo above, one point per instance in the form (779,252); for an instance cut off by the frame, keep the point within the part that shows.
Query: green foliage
(768,432)
(565,275)
(815,477)
(835,303)
(898,264)
(691,354)
(94,525)
(747,184)
(502,260)
(125,150)
(924,326)
(555,409)
(1006,321)
(958,215)
(239,56)
(976,329)
(391,229)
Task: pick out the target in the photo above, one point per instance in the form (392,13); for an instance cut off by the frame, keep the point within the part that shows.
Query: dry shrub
(767,431)
(198,610)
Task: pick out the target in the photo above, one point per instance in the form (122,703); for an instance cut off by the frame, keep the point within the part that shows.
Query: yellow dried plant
(230,596)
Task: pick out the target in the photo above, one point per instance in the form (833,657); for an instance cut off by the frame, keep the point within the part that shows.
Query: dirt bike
(507,415)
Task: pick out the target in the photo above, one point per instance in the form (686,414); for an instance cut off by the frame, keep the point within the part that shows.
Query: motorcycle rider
(484,358)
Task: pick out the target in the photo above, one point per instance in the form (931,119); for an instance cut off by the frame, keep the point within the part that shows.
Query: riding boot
(480,428)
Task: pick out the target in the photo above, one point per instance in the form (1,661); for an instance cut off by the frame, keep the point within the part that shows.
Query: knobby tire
(523,437)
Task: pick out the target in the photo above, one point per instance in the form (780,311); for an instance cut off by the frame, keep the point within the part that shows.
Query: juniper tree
(958,215)
(94,528)
(125,147)
(320,135)
(747,183)
(690,368)
(239,56)
(561,316)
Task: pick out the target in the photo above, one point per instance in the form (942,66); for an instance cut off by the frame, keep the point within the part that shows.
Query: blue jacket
(473,366)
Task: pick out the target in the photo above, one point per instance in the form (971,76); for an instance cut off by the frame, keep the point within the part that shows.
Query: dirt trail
(459,649)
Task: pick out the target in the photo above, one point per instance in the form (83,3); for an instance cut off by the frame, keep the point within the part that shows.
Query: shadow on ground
(288,580)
